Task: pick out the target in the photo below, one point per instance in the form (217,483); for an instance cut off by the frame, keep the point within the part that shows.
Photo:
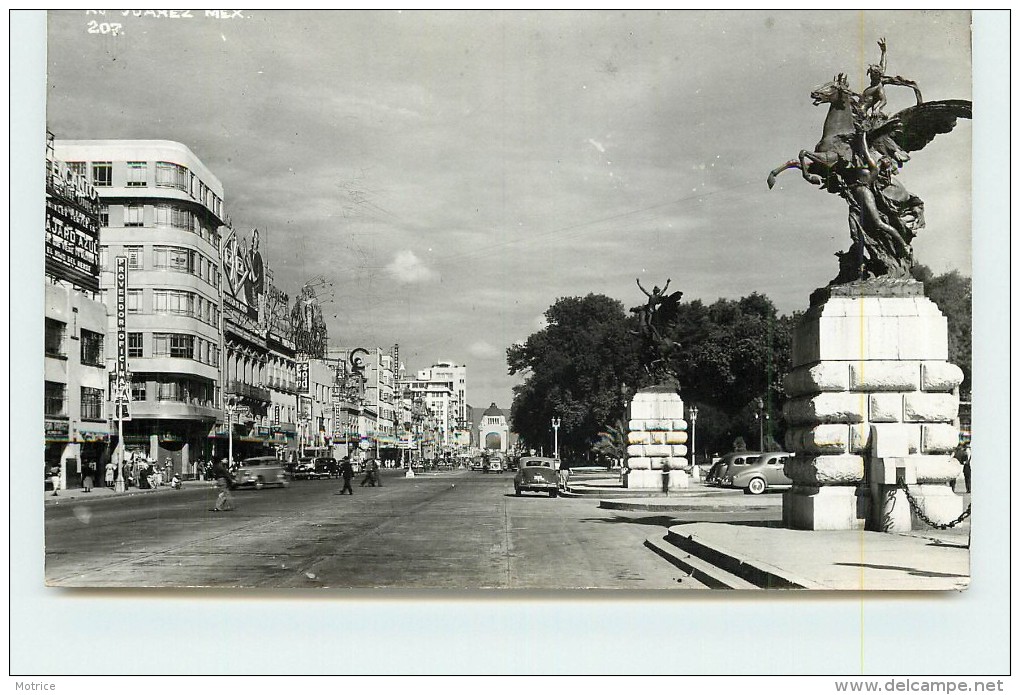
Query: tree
(612,444)
(952,293)
(577,370)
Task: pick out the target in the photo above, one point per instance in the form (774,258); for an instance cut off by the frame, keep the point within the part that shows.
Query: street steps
(699,570)
(757,573)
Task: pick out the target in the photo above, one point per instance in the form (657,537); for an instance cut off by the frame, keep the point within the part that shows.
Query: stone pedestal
(872,404)
(656,440)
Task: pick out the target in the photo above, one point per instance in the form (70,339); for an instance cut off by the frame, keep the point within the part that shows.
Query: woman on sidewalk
(87,477)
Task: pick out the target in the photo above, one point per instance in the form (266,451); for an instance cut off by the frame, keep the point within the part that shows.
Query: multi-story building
(281,371)
(76,426)
(378,412)
(162,209)
(445,385)
(316,379)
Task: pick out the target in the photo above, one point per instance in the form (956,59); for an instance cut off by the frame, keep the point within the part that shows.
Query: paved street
(457,529)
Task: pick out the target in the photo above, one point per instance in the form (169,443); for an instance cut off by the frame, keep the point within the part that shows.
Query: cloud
(406,268)
(483,350)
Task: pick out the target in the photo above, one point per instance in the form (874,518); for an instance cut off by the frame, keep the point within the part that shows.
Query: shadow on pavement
(661,520)
(896,568)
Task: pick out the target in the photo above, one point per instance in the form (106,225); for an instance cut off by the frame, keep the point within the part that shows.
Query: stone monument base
(827,508)
(652,480)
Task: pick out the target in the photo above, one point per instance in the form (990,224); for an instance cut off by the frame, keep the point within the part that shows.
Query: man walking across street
(370,477)
(224,502)
(347,473)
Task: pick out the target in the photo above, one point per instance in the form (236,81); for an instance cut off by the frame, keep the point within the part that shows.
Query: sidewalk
(764,555)
(105,493)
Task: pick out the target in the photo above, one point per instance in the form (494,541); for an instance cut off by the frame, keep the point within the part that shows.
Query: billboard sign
(302,377)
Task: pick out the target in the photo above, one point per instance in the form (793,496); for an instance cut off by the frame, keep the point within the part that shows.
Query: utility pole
(694,432)
(556,437)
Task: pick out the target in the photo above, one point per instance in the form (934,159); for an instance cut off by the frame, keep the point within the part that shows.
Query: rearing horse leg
(792,164)
(804,166)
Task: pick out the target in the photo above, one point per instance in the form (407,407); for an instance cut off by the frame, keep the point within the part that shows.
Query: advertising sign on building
(302,377)
(72,227)
(121,279)
(338,421)
(244,274)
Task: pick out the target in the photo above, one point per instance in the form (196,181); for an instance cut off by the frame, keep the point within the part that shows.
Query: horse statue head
(833,92)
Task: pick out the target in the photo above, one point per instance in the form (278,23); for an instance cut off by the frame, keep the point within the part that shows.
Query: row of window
(179,302)
(179,345)
(168,175)
(176,390)
(163,215)
(55,401)
(90,343)
(177,259)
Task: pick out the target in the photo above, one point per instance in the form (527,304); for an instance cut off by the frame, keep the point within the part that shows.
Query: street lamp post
(694,433)
(759,405)
(556,437)
(231,406)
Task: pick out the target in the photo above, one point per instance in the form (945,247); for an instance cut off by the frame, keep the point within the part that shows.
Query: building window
(138,390)
(103,258)
(55,331)
(173,345)
(133,216)
(56,399)
(102,174)
(173,216)
(134,345)
(104,216)
(170,175)
(134,257)
(136,174)
(134,301)
(91,403)
(173,258)
(171,391)
(76,167)
(92,348)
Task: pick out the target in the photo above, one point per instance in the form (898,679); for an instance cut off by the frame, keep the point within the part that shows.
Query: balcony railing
(239,388)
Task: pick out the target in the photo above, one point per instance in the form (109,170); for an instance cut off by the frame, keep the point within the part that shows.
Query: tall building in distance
(446,386)
(75,406)
(163,210)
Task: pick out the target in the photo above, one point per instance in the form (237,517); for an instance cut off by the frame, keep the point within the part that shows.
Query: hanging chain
(924,517)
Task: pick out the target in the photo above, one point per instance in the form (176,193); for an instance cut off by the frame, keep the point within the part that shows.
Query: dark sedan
(536,474)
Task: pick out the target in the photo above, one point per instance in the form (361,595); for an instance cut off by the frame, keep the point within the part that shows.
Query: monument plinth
(872,408)
(656,440)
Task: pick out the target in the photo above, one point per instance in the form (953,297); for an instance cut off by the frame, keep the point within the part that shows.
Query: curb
(49,499)
(757,572)
(696,568)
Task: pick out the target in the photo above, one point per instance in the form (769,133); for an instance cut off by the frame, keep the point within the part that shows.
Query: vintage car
(326,468)
(537,474)
(261,471)
(767,472)
(495,465)
(737,459)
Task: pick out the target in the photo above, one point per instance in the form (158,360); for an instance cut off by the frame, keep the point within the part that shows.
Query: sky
(442,178)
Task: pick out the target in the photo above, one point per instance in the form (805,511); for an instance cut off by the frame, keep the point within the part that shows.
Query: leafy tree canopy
(952,293)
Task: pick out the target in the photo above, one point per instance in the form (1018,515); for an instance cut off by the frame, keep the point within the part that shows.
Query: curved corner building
(163,210)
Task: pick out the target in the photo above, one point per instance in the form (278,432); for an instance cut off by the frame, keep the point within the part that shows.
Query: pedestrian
(369,474)
(347,473)
(963,455)
(55,479)
(168,470)
(224,501)
(109,475)
(375,473)
(88,479)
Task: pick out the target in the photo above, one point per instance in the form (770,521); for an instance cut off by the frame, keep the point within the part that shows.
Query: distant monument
(873,405)
(656,429)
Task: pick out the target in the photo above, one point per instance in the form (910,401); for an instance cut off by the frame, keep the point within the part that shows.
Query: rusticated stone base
(652,480)
(656,439)
(828,508)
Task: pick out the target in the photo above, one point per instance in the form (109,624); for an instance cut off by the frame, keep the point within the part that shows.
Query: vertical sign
(121,289)
(302,377)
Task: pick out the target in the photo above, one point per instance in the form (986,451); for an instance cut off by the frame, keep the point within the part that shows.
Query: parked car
(719,468)
(326,468)
(537,474)
(767,472)
(261,471)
